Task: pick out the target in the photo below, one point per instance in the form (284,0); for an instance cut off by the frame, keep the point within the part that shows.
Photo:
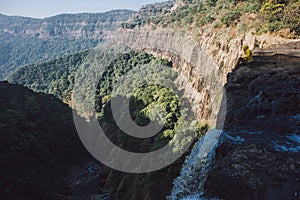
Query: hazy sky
(45,8)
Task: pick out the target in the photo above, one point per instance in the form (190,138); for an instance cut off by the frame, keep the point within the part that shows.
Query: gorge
(252,110)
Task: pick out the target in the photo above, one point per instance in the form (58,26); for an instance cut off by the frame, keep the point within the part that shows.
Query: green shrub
(292,17)
(230,17)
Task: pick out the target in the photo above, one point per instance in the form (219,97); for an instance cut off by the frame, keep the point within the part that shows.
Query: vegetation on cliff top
(267,15)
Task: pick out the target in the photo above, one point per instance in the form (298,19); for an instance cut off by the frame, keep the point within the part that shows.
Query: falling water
(189,185)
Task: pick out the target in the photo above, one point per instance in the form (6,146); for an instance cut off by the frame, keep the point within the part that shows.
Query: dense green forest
(148,103)
(27,41)
(57,77)
(53,77)
(38,144)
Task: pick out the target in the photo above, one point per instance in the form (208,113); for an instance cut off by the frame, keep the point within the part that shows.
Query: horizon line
(67,13)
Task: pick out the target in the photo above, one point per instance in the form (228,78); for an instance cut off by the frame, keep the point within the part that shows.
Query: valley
(172,66)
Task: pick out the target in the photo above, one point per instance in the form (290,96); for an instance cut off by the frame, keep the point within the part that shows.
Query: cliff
(259,99)
(259,158)
(203,62)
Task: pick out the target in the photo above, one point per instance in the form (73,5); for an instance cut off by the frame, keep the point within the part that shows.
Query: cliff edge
(259,158)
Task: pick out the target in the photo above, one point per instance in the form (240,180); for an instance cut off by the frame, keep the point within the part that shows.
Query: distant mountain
(84,25)
(27,40)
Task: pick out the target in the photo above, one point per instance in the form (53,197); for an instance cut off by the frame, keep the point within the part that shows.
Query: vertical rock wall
(203,63)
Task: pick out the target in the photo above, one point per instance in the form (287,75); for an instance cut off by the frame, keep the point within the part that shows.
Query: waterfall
(189,185)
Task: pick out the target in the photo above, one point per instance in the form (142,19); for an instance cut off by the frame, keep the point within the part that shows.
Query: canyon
(252,109)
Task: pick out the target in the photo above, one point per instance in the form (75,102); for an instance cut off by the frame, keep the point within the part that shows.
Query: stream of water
(189,185)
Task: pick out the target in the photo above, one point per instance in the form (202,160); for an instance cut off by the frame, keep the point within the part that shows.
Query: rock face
(259,158)
(202,67)
(263,92)
(203,62)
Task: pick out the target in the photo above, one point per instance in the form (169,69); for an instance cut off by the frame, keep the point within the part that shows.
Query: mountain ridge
(27,40)
(49,26)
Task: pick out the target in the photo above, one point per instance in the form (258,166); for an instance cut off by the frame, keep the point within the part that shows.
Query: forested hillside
(38,144)
(57,77)
(146,102)
(26,40)
(17,51)
(53,77)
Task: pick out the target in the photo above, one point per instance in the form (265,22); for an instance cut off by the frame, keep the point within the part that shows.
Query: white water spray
(196,166)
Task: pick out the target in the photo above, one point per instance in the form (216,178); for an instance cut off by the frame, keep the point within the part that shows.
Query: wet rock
(262,166)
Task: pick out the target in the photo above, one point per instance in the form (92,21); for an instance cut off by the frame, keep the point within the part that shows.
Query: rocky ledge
(259,157)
